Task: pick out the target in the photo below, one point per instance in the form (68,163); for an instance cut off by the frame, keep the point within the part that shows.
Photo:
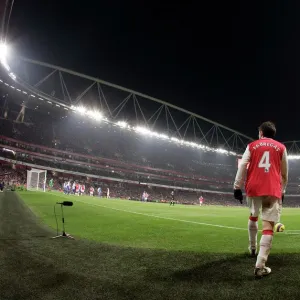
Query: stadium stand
(107,153)
(15,175)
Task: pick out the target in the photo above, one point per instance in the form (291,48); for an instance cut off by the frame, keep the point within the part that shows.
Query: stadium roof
(127,108)
(132,110)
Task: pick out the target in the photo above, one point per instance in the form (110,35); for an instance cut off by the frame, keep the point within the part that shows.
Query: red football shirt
(264,171)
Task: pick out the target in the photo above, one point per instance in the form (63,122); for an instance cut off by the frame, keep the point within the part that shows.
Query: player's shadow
(231,269)
(227,269)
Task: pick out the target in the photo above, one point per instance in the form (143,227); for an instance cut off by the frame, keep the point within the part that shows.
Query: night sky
(235,63)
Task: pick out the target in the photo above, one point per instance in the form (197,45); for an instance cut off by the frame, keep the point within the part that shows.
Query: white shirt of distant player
(107,191)
(73,185)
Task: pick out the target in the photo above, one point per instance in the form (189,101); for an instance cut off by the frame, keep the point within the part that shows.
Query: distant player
(265,187)
(201,201)
(82,189)
(92,191)
(99,192)
(172,202)
(65,187)
(68,188)
(77,189)
(50,184)
(107,193)
(145,196)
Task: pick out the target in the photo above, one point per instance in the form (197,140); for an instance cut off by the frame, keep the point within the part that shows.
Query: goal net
(36,180)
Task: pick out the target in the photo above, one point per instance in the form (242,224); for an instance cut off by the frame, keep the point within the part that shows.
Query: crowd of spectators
(113,169)
(110,167)
(16,175)
(111,142)
(11,176)
(74,144)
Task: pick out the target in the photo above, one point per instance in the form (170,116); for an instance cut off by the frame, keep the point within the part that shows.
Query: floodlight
(142,130)
(98,116)
(293,156)
(3,51)
(93,114)
(81,109)
(12,75)
(221,150)
(122,124)
(4,63)
(3,56)
(163,136)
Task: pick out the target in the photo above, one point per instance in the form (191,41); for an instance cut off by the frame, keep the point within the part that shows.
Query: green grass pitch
(180,252)
(159,226)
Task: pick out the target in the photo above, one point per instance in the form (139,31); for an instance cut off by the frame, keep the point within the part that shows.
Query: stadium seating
(16,175)
(77,145)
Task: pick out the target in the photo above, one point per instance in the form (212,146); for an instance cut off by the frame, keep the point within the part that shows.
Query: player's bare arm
(284,171)
(242,170)
(241,174)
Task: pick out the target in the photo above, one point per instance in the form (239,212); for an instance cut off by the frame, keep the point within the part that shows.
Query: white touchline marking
(160,217)
(289,232)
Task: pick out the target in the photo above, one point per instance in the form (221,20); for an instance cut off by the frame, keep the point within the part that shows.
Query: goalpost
(36,180)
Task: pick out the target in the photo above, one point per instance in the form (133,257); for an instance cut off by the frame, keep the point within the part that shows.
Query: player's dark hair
(268,129)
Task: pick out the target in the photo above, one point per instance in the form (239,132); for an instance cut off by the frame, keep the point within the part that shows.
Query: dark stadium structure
(71,123)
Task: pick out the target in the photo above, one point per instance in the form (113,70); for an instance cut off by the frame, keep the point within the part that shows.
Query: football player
(267,177)
(172,202)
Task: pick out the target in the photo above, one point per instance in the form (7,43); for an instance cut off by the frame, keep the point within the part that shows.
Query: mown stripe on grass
(160,217)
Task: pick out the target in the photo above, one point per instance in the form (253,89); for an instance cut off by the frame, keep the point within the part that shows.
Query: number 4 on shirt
(265,161)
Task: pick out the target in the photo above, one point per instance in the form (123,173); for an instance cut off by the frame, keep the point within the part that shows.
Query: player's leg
(270,215)
(254,206)
(280,209)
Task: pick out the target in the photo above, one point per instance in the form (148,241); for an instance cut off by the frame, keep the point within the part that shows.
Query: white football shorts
(270,207)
